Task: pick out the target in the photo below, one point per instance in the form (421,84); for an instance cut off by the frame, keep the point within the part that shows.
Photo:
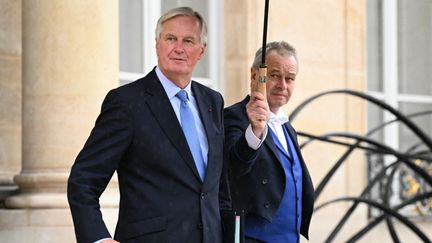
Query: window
(399,59)
(137,38)
(399,72)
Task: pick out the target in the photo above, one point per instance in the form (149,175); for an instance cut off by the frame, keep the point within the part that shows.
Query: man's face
(179,48)
(281,74)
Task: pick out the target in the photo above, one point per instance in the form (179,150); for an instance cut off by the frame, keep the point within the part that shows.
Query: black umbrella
(261,86)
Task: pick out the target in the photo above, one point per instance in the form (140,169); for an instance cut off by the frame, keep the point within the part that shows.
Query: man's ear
(203,48)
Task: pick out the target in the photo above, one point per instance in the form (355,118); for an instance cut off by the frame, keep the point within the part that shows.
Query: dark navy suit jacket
(256,177)
(162,198)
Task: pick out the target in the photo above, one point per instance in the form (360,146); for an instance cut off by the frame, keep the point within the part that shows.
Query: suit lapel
(162,110)
(205,110)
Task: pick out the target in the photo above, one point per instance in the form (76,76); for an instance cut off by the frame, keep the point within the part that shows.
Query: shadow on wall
(412,169)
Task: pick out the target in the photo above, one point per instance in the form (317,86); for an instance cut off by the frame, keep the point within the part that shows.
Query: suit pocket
(147,226)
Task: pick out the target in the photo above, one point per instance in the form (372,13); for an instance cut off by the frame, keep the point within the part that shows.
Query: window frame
(390,91)
(151,11)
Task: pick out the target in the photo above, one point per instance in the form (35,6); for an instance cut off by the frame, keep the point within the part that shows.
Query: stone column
(70,61)
(10,95)
(240,46)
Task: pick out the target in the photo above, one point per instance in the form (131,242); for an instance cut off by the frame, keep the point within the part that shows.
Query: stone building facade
(59,58)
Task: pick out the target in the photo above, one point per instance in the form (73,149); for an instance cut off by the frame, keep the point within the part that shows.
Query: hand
(109,241)
(258,112)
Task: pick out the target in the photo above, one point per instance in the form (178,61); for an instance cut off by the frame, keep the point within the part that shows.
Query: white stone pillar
(70,61)
(10,95)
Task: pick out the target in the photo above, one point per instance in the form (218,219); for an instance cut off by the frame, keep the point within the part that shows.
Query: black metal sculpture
(413,168)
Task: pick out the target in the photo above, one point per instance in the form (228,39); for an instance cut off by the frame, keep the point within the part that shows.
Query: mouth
(279,95)
(178,59)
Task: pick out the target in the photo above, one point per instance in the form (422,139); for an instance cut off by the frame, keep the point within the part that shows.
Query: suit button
(264,181)
(266,204)
(202,195)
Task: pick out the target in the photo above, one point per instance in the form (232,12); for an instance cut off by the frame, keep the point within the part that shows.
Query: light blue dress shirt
(171,90)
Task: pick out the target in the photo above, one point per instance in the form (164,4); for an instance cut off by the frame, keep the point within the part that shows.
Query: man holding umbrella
(269,179)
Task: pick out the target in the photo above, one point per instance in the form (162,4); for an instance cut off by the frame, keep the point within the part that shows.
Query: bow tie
(279,119)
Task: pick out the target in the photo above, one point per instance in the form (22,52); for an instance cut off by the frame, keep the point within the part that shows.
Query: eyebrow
(275,70)
(186,37)
(190,38)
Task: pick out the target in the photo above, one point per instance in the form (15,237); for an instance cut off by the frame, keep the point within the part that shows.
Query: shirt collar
(279,118)
(170,88)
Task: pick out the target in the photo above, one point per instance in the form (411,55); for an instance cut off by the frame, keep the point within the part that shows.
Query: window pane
(415,46)
(131,28)
(375,119)
(201,6)
(374,35)
(406,137)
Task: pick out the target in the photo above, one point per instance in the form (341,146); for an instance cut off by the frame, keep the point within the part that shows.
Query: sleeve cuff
(252,140)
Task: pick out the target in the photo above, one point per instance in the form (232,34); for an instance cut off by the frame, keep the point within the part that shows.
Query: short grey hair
(281,47)
(182,11)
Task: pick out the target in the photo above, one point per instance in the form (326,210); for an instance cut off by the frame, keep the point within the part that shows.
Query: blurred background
(59,58)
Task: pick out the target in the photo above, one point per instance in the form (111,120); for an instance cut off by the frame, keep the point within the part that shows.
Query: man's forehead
(292,69)
(176,30)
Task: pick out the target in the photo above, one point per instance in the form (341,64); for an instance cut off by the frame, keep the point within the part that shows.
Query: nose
(179,48)
(281,83)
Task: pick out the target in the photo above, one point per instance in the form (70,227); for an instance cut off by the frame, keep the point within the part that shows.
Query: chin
(179,71)
(280,100)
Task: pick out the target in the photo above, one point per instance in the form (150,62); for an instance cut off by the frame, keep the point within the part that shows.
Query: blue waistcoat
(285,225)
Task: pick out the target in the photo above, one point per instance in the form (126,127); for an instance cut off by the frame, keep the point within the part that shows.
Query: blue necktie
(190,132)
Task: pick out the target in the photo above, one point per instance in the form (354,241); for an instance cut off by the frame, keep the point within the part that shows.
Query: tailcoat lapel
(293,136)
(279,146)
(271,145)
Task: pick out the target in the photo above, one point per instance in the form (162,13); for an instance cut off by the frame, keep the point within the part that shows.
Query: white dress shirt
(275,122)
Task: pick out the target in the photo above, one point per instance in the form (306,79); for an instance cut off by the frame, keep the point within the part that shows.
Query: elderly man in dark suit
(163,135)
(269,180)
